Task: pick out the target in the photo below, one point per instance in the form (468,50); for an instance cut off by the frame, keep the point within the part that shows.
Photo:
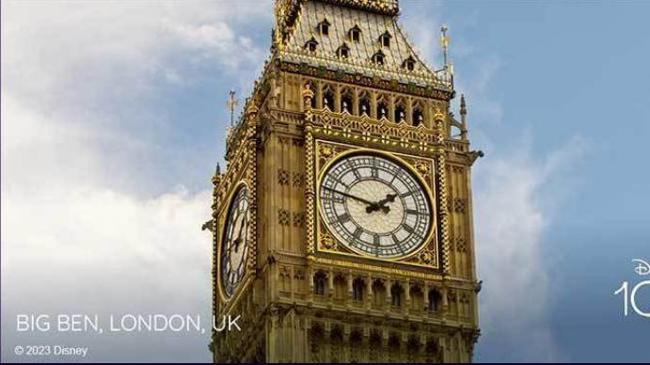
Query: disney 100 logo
(642,268)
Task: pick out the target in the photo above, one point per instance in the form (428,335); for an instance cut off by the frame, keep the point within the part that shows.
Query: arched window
(340,287)
(400,113)
(418,117)
(384,39)
(393,341)
(396,295)
(364,104)
(435,300)
(319,283)
(379,58)
(417,299)
(311,45)
(382,110)
(357,289)
(343,51)
(355,33)
(378,293)
(409,64)
(336,334)
(346,102)
(328,99)
(324,27)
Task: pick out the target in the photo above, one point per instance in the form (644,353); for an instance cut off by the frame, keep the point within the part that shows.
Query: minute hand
(350,196)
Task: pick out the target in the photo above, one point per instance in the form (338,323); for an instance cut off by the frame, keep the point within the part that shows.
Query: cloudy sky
(113,117)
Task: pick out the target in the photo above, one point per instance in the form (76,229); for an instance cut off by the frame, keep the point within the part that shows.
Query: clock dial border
(225,297)
(322,231)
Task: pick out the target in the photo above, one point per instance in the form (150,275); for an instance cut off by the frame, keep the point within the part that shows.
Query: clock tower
(342,224)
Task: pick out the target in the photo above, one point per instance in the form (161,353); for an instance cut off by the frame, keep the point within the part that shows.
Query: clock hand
(382,204)
(350,196)
(242,232)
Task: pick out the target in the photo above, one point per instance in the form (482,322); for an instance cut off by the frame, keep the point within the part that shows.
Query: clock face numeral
(375,206)
(234,244)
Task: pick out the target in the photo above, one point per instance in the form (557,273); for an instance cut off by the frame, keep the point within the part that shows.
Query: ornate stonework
(306,296)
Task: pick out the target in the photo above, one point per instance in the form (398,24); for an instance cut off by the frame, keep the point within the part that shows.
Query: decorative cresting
(387,7)
(363,129)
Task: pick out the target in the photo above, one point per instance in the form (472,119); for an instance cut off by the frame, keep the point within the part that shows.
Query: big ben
(342,223)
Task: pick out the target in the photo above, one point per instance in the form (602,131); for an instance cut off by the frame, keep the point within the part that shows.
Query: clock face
(234,244)
(375,206)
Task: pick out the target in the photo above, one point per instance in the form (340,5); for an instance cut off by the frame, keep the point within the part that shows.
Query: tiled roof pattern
(372,26)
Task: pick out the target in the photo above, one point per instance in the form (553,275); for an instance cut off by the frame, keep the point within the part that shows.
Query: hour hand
(382,204)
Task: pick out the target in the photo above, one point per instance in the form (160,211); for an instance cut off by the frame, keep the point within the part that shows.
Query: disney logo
(642,268)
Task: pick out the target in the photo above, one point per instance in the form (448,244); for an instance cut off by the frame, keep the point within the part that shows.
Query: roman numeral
(357,233)
(344,218)
(414,212)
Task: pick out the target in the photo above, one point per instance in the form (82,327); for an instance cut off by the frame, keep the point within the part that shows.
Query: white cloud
(513,210)
(77,80)
(515,197)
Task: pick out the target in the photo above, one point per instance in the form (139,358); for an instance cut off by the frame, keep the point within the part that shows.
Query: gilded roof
(342,16)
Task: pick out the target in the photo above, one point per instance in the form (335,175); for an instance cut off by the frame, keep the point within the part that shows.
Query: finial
(444,43)
(217,172)
(232,104)
(463,106)
(463,117)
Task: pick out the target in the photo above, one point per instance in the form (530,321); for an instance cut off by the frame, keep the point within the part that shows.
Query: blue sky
(113,115)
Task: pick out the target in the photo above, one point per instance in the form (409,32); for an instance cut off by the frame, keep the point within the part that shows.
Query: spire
(232,104)
(444,43)
(217,171)
(463,106)
(463,117)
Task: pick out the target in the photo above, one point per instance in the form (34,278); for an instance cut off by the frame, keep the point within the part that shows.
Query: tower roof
(298,21)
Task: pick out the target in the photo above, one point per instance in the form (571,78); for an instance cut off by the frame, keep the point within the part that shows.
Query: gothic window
(336,334)
(357,289)
(324,27)
(378,293)
(384,39)
(400,113)
(343,51)
(382,110)
(356,336)
(409,64)
(355,34)
(418,117)
(435,300)
(340,287)
(413,344)
(346,102)
(364,105)
(319,283)
(328,99)
(311,45)
(393,341)
(417,299)
(396,295)
(379,58)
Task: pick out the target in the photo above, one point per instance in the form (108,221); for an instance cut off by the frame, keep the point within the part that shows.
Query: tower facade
(342,223)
